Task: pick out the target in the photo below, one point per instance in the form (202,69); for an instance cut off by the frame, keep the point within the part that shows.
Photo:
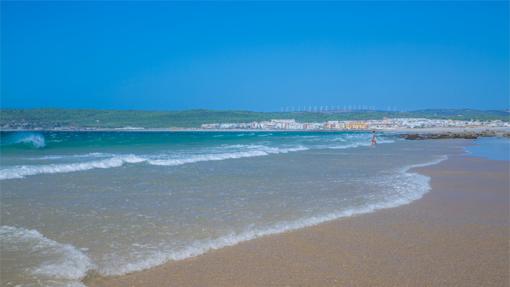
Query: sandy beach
(456,235)
(254,143)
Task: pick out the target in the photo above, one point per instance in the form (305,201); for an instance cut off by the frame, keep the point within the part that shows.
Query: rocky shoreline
(456,135)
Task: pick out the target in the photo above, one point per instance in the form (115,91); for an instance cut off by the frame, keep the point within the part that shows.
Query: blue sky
(254,55)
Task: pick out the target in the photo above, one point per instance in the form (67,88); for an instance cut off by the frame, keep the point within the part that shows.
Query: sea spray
(24,139)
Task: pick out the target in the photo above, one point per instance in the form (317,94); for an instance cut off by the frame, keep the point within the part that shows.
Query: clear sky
(254,55)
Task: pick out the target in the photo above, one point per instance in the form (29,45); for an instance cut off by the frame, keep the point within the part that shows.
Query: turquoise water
(117,202)
(490,148)
(27,154)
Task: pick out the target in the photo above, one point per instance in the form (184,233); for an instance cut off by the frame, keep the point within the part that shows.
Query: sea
(110,203)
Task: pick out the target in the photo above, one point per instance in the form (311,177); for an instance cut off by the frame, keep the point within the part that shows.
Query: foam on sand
(51,260)
(405,186)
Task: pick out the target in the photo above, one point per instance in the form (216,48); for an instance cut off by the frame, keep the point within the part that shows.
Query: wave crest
(252,151)
(162,160)
(26,170)
(35,140)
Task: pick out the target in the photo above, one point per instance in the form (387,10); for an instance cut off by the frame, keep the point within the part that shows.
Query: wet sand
(456,235)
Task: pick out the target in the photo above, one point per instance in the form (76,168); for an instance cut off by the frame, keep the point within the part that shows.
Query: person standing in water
(374,139)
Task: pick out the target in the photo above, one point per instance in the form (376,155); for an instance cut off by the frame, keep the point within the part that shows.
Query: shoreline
(157,276)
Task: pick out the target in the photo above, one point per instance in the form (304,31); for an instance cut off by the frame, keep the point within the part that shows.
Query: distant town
(384,124)
(210,120)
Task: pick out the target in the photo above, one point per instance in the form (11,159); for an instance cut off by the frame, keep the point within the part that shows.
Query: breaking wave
(101,160)
(260,151)
(26,170)
(30,139)
(161,160)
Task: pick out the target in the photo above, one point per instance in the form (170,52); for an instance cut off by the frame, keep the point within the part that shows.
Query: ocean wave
(31,139)
(159,160)
(95,160)
(406,186)
(429,163)
(245,134)
(350,145)
(355,144)
(50,259)
(26,170)
(252,151)
(87,155)
(402,186)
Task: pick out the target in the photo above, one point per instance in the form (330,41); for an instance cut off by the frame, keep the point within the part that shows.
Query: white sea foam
(355,140)
(406,186)
(350,145)
(106,160)
(86,155)
(160,160)
(26,170)
(34,139)
(360,144)
(67,262)
(53,260)
(247,134)
(250,152)
(88,161)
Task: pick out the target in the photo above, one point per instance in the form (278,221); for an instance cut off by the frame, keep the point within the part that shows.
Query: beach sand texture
(456,235)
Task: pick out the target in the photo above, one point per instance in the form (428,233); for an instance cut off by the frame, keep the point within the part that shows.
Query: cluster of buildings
(384,124)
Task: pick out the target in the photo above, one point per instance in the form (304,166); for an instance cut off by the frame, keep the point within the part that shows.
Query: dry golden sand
(457,235)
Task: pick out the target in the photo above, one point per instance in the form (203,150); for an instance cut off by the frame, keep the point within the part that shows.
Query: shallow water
(490,148)
(121,202)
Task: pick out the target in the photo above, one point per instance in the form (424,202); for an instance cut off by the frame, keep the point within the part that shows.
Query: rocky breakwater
(455,135)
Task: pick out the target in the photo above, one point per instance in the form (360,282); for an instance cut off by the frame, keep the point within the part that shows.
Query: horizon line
(391,110)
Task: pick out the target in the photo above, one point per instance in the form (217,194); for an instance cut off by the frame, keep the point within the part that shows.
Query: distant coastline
(91,119)
(402,130)
(411,125)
